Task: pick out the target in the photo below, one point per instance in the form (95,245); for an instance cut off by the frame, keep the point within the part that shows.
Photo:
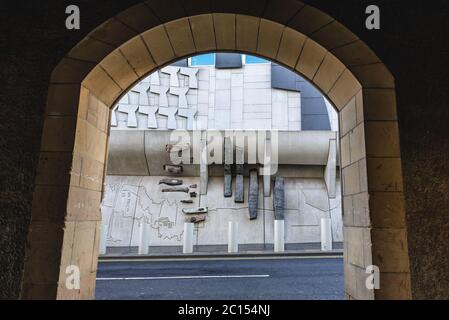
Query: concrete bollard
(233,243)
(326,234)
(103,239)
(143,239)
(188,238)
(279,245)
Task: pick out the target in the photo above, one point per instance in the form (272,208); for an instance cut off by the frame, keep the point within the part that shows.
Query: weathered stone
(195,210)
(171,182)
(229,154)
(253,197)
(173,169)
(196,219)
(227,181)
(239,190)
(176,189)
(279,198)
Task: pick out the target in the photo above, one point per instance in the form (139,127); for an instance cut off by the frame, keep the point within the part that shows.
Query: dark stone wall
(413,43)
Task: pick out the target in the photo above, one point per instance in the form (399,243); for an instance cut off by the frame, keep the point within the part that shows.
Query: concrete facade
(130,202)
(219,99)
(241,98)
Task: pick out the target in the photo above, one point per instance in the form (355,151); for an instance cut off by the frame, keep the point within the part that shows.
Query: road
(239,279)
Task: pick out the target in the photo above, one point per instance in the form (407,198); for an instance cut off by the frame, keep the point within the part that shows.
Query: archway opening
(66,218)
(270,186)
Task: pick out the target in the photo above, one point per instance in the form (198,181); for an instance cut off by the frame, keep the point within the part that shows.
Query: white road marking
(187,277)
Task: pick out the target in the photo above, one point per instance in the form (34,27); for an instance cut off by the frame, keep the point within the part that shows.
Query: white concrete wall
(225,99)
(129,201)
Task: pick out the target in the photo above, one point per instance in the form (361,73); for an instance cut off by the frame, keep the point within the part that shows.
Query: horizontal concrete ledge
(143,152)
(216,256)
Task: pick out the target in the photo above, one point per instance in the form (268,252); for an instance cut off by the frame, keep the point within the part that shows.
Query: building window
(225,60)
(203,60)
(254,60)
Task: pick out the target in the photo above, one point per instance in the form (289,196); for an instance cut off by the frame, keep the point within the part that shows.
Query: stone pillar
(143,238)
(233,244)
(326,234)
(188,238)
(279,245)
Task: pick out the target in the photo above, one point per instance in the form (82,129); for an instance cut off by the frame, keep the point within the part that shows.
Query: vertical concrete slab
(326,234)
(330,172)
(233,244)
(188,238)
(143,238)
(279,232)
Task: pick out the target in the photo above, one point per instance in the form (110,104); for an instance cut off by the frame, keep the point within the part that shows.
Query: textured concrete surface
(413,47)
(130,202)
(223,99)
(285,279)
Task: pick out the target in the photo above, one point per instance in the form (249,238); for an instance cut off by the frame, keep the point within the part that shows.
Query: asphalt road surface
(270,279)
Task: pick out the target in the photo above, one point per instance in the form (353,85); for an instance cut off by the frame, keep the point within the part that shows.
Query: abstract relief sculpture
(239,190)
(253,197)
(279,198)
(162,106)
(228,151)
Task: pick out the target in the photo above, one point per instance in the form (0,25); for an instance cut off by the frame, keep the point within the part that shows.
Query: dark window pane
(315,122)
(282,78)
(228,60)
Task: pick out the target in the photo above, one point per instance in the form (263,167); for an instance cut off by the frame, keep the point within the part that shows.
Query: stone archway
(65,216)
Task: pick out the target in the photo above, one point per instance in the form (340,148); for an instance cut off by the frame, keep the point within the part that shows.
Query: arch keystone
(247,33)
(224,25)
(203,32)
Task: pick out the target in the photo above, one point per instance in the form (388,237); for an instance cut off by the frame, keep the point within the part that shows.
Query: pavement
(231,278)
